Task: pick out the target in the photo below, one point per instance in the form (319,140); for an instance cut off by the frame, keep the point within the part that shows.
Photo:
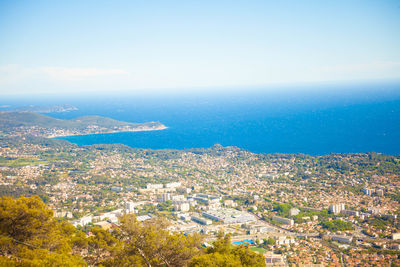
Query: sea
(311,119)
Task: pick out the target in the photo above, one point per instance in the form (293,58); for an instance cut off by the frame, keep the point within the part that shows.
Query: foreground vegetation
(31,236)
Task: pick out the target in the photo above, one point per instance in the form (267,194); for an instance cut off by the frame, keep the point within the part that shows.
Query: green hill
(14,121)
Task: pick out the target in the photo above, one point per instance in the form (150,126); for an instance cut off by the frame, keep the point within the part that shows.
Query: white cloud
(17,79)
(9,73)
(60,73)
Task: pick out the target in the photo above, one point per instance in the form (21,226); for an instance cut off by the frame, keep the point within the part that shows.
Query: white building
(283,220)
(144,217)
(154,186)
(396,236)
(130,207)
(336,208)
(182,206)
(184,190)
(283,240)
(165,197)
(351,212)
(184,217)
(342,238)
(228,216)
(294,212)
(230,203)
(201,220)
(173,185)
(178,198)
(368,191)
(83,221)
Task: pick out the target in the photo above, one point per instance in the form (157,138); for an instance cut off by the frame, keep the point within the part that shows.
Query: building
(116,188)
(178,198)
(110,216)
(368,191)
(351,212)
(207,199)
(282,220)
(83,221)
(379,192)
(228,216)
(154,186)
(230,203)
(165,197)
(394,246)
(181,205)
(129,207)
(173,185)
(144,217)
(373,210)
(294,212)
(66,214)
(272,259)
(184,190)
(201,220)
(396,236)
(336,208)
(283,240)
(184,217)
(342,238)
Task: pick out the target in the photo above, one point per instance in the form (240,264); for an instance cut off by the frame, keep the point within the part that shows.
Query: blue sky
(151,46)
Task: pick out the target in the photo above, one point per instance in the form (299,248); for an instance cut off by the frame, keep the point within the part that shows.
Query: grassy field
(20,162)
(259,250)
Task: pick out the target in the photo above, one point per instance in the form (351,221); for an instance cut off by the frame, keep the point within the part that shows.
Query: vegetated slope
(20,119)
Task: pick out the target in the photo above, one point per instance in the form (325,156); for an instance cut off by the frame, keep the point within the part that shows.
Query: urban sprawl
(295,209)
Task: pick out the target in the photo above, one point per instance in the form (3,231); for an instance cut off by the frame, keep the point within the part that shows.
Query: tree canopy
(31,236)
(222,254)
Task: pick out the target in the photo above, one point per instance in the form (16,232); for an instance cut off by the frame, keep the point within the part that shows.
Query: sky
(176,46)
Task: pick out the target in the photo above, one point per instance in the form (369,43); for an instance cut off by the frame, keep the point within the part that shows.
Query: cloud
(16,72)
(60,73)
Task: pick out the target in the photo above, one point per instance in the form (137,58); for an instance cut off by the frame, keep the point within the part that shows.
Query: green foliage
(394,196)
(382,222)
(282,209)
(101,244)
(148,243)
(222,254)
(9,120)
(30,236)
(19,162)
(337,225)
(269,241)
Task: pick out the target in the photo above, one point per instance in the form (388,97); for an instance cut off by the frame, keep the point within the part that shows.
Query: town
(294,209)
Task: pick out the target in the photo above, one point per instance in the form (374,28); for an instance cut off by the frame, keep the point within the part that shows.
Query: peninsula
(29,123)
(46,109)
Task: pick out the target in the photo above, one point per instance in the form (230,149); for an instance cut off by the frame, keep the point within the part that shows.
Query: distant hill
(46,109)
(33,123)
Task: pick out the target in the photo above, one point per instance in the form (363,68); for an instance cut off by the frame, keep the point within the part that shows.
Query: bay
(315,120)
(311,123)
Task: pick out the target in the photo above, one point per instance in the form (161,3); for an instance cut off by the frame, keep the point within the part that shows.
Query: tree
(221,254)
(148,243)
(29,235)
(101,246)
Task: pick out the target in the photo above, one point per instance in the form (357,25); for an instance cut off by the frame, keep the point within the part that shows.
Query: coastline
(139,129)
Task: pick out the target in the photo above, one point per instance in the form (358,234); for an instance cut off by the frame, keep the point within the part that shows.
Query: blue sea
(314,119)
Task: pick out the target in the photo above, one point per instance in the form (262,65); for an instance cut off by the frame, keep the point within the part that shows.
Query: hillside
(17,123)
